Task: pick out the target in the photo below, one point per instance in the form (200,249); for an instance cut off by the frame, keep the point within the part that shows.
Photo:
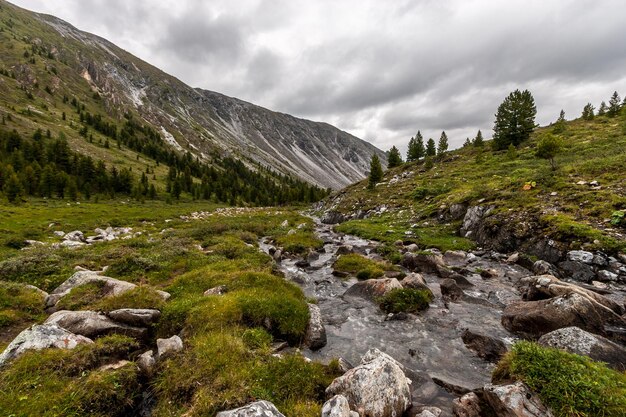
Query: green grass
(19,304)
(405,300)
(359,265)
(571,385)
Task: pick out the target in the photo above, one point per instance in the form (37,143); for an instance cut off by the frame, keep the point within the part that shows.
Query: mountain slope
(194,120)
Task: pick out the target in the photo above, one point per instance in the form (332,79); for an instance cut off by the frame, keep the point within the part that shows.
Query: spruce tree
(416,148)
(614,105)
(442,145)
(478,140)
(394,159)
(431,150)
(13,187)
(515,119)
(559,126)
(602,110)
(588,113)
(467,143)
(376,171)
(410,153)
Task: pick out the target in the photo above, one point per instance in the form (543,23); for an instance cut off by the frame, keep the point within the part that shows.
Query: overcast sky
(378,69)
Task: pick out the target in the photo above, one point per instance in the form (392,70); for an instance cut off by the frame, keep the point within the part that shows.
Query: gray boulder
(487,347)
(429,262)
(336,407)
(315,337)
(145,362)
(219,290)
(544,268)
(333,217)
(580,256)
(255,409)
(141,317)
(533,319)
(373,288)
(450,291)
(75,236)
(169,346)
(39,337)
(580,342)
(377,387)
(112,286)
(92,324)
(473,218)
(414,281)
(578,271)
(515,400)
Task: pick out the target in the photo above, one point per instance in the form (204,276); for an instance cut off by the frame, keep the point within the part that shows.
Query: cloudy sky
(380,70)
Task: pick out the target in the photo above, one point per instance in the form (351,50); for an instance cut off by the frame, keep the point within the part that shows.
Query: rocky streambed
(447,350)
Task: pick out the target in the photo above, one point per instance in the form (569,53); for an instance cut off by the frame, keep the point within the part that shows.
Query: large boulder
(487,347)
(41,336)
(429,262)
(473,219)
(580,342)
(415,281)
(333,217)
(468,405)
(533,319)
(315,337)
(373,288)
(546,286)
(450,290)
(112,286)
(255,409)
(338,407)
(92,324)
(515,400)
(375,388)
(141,317)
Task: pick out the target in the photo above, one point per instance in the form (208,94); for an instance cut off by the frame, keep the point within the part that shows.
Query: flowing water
(429,345)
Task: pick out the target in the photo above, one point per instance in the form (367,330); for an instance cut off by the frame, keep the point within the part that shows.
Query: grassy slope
(227,359)
(593,150)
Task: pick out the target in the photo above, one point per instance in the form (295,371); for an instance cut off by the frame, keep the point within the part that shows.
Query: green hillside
(524,190)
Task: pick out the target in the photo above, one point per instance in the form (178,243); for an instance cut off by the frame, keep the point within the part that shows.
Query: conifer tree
(410,153)
(588,113)
(559,126)
(602,110)
(13,187)
(442,145)
(394,159)
(431,150)
(614,105)
(515,119)
(376,171)
(416,148)
(478,140)
(467,143)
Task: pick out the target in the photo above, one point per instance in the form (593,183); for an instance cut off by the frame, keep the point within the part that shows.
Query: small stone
(219,290)
(145,362)
(169,346)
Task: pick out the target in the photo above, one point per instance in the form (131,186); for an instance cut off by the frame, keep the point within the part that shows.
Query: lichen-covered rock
(373,288)
(467,406)
(112,286)
(315,337)
(255,409)
(515,400)
(168,346)
(415,281)
(580,342)
(39,337)
(336,407)
(142,317)
(92,324)
(375,388)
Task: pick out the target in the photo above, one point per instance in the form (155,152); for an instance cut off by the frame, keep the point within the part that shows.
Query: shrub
(407,300)
(572,385)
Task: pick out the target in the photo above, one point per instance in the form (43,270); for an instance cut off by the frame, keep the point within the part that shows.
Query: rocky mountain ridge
(201,122)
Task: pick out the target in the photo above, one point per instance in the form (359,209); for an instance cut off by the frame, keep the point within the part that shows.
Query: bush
(572,385)
(407,300)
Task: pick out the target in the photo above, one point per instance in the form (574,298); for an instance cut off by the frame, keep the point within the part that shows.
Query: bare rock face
(373,288)
(487,347)
(415,281)
(580,342)
(255,409)
(169,346)
(423,262)
(467,406)
(515,400)
(92,324)
(112,286)
(142,317)
(315,337)
(377,387)
(336,407)
(39,337)
(533,319)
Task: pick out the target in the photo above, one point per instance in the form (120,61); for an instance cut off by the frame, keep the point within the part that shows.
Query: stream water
(429,345)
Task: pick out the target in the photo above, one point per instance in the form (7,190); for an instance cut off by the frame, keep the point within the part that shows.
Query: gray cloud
(381,70)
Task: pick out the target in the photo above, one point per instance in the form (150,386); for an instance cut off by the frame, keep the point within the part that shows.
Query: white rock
(580,256)
(92,324)
(112,286)
(336,407)
(255,409)
(315,337)
(515,400)
(377,387)
(39,337)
